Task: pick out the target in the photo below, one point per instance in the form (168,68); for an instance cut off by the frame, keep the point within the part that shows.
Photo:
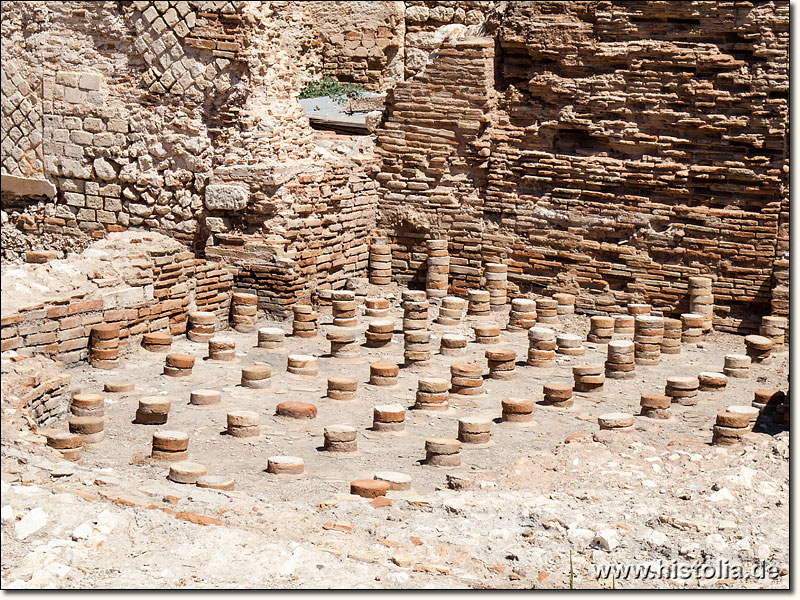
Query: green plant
(571,573)
(327,86)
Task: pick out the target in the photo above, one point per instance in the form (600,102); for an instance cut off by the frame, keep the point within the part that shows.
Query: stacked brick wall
(429,23)
(633,145)
(359,57)
(168,284)
(433,146)
(303,231)
(38,387)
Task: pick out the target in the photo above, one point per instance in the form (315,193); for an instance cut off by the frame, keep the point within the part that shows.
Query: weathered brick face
(629,146)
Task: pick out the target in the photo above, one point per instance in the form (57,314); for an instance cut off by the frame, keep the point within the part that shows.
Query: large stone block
(226,197)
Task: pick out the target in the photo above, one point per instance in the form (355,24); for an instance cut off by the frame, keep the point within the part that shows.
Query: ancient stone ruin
(395,295)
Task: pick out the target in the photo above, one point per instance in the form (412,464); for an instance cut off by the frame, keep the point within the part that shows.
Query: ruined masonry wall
(633,145)
(317,239)
(169,285)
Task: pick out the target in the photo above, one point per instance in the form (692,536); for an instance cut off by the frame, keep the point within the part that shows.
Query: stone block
(226,197)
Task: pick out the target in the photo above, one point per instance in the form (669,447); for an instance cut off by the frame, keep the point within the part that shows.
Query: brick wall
(168,284)
(624,147)
(301,231)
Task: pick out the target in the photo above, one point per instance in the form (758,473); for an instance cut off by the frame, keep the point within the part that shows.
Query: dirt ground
(531,504)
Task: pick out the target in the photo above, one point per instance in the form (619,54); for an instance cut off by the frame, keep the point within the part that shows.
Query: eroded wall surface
(623,147)
(608,149)
(174,117)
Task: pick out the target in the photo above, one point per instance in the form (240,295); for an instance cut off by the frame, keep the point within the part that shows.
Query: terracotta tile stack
(119,386)
(432,394)
(737,365)
(541,347)
(566,303)
(396,481)
(451,312)
(221,349)
(522,315)
(569,344)
(655,406)
(91,428)
(479,303)
(285,465)
(474,430)
(178,365)
(376,308)
(244,312)
(711,382)
(379,333)
(601,329)
(636,309)
(271,338)
(751,412)
(340,438)
(558,394)
(517,410)
(305,323)
(588,377)
(369,488)
(302,364)
(438,268)
(87,405)
(343,307)
(380,263)
(243,424)
(170,445)
(682,389)
(157,341)
(486,333)
(495,280)
(104,346)
(388,417)
(256,376)
(201,326)
(647,339)
(204,397)
(621,422)
(502,363)
(729,428)
(758,348)
(344,342)
(296,410)
(547,311)
(701,300)
(186,472)
(624,327)
(775,328)
(620,362)
(466,379)
(766,400)
(452,344)
(442,452)
(342,388)
(153,410)
(415,311)
(417,347)
(671,342)
(383,374)
(692,324)
(70,445)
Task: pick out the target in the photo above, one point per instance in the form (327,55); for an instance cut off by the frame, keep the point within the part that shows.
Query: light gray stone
(226,197)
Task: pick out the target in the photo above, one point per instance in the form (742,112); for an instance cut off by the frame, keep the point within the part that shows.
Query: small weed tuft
(327,86)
